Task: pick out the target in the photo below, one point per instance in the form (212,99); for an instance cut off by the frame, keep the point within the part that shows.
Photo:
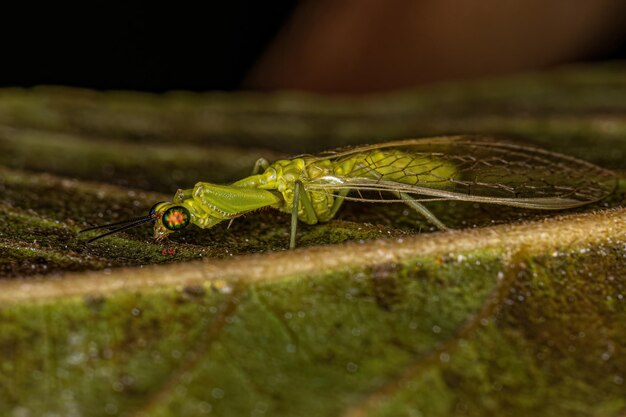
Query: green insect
(312,188)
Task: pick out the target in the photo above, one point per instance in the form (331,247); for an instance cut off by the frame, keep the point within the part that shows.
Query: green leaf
(514,313)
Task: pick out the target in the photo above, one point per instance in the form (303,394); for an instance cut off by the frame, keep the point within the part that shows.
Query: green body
(476,169)
(412,171)
(210,204)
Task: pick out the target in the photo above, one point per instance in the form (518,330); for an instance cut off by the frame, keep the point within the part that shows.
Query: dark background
(145,47)
(151,48)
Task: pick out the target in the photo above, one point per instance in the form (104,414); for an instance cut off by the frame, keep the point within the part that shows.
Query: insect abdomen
(397,166)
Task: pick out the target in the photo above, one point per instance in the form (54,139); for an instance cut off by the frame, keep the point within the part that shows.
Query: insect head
(167,218)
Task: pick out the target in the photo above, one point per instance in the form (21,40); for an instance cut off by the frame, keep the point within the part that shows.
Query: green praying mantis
(312,188)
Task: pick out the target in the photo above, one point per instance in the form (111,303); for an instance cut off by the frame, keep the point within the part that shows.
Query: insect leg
(300,194)
(294,216)
(339,199)
(260,164)
(422,210)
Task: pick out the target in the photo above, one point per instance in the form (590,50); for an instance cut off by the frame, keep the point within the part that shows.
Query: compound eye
(176,218)
(153,209)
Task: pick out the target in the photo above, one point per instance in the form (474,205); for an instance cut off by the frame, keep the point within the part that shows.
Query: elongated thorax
(282,176)
(210,204)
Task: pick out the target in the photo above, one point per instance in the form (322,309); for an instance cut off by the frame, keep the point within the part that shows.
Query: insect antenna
(122,222)
(121,229)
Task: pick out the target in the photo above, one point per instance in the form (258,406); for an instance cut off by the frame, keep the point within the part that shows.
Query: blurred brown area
(361,46)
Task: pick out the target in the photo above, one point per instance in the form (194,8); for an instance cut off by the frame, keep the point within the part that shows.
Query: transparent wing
(469,168)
